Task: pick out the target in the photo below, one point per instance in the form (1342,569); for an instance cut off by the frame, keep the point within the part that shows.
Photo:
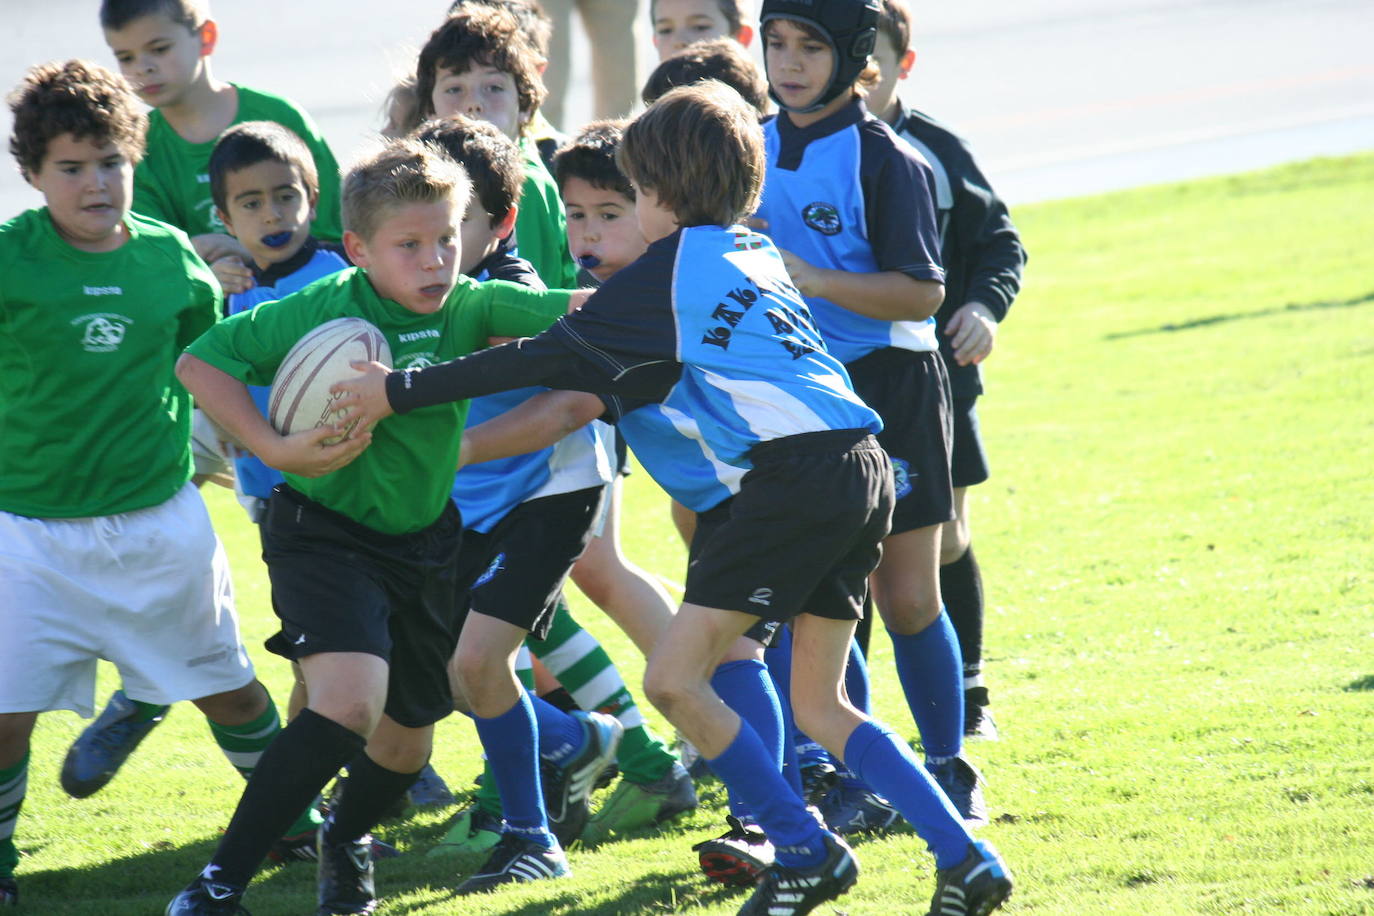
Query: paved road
(1060,97)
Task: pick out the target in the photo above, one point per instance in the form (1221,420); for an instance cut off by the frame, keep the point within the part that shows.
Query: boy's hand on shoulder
(806,277)
(972,331)
(364,396)
(233,275)
(305,454)
(215,245)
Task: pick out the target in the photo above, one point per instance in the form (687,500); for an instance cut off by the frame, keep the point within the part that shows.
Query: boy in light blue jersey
(707,320)
(851,207)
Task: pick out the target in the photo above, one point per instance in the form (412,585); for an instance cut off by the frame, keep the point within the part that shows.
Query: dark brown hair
(591,156)
(480,35)
(116,14)
(78,98)
(537,25)
(250,142)
(699,149)
(491,159)
(721,59)
(894,21)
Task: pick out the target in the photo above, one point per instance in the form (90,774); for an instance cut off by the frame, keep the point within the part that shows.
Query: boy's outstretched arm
(227,401)
(536,424)
(380,392)
(888,295)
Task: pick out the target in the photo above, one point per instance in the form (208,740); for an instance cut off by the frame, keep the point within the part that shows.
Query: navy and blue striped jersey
(846,194)
(707,323)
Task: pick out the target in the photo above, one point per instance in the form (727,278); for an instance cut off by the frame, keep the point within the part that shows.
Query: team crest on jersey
(416,360)
(497,563)
(102,332)
(822,217)
(901,477)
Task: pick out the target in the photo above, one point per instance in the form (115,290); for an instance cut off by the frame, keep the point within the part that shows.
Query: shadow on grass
(1363,683)
(1210,320)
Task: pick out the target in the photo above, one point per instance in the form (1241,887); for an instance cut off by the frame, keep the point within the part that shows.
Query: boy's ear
(314,198)
(506,226)
(209,37)
(745,35)
(904,65)
(355,248)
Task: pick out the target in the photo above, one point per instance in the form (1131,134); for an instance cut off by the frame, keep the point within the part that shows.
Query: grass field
(1177,543)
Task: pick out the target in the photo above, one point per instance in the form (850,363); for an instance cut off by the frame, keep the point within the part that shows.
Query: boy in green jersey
(479,63)
(108,550)
(163,48)
(361,541)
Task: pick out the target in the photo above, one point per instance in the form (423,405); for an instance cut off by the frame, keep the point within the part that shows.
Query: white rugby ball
(300,397)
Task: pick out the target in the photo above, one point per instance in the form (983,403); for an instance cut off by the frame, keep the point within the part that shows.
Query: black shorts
(803,532)
(340,586)
(515,572)
(910,391)
(968,461)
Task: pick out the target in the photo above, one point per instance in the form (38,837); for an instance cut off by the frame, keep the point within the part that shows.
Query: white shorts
(148,590)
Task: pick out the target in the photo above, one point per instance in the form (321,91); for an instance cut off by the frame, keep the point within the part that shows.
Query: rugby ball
(300,397)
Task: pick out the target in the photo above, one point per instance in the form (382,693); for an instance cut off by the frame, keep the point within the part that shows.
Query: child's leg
(16,728)
(347,692)
(878,756)
(961,587)
(631,597)
(678,681)
(576,658)
(484,668)
(377,778)
(906,588)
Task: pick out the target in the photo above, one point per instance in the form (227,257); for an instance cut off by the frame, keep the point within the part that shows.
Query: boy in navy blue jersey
(983,259)
(865,254)
(708,323)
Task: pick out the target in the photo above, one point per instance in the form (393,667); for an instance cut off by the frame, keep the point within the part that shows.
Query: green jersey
(401,481)
(92,419)
(541,231)
(172,183)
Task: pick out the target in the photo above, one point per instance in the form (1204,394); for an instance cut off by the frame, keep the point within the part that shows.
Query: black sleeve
(542,360)
(622,342)
(988,240)
(899,203)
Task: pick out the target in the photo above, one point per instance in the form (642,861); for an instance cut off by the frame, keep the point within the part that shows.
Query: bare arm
(537,423)
(227,401)
(889,295)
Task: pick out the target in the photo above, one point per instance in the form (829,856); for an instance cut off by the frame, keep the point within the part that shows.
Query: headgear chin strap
(849,26)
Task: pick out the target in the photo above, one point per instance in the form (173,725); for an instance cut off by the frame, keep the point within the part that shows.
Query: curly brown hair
(491,159)
(480,35)
(78,98)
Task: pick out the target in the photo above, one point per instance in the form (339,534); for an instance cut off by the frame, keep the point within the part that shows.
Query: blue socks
(747,688)
(560,734)
(778,658)
(932,676)
(884,762)
(510,741)
(750,771)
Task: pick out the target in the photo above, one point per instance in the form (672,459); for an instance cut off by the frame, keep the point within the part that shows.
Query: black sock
(559,698)
(961,586)
(368,794)
(291,772)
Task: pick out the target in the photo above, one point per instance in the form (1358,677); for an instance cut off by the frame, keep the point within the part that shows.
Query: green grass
(1177,546)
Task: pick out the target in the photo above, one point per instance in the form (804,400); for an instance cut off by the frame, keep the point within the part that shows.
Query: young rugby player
(108,550)
(708,323)
(983,259)
(361,542)
(480,64)
(163,48)
(851,208)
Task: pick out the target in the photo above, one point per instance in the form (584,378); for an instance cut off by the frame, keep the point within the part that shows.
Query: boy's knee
(236,707)
(663,688)
(359,715)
